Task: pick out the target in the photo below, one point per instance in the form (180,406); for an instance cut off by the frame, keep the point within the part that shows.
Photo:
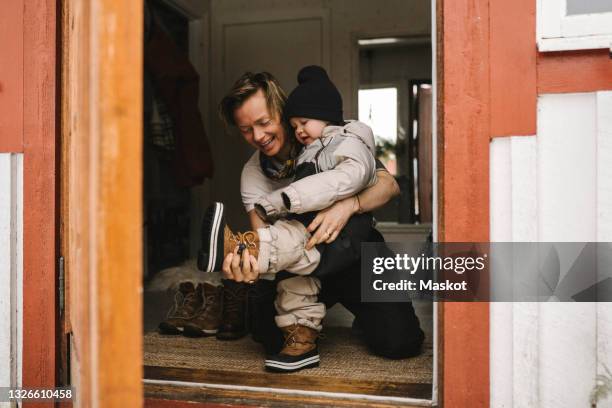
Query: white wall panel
(604,228)
(567,208)
(525,379)
(567,167)
(11,261)
(524,189)
(559,189)
(514,326)
(500,188)
(6,237)
(604,166)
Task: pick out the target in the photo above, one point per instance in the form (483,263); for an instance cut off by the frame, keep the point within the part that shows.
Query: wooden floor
(346,365)
(179,396)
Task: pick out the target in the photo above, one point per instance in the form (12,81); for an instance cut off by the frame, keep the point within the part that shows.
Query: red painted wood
(574,71)
(513,67)
(466,121)
(11,76)
(161,403)
(40,205)
(465,191)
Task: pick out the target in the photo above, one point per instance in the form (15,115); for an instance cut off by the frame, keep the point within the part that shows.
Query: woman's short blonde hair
(247,85)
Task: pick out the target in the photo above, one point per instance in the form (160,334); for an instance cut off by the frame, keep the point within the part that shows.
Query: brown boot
(300,350)
(207,321)
(248,239)
(187,302)
(234,325)
(218,240)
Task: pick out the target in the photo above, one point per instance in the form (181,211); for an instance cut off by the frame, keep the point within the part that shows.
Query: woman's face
(258,127)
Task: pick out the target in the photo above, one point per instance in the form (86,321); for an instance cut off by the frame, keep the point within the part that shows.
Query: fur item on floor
(169,279)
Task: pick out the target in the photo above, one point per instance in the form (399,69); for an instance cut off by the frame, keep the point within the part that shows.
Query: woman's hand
(329,222)
(241,268)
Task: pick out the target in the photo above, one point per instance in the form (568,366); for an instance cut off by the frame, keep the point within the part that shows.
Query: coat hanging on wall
(176,82)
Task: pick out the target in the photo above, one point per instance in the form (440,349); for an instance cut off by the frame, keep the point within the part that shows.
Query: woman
(254,105)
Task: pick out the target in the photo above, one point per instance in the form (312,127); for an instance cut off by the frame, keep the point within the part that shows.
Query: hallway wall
(281,37)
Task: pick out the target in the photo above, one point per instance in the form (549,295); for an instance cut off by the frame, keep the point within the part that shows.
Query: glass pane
(378,109)
(588,6)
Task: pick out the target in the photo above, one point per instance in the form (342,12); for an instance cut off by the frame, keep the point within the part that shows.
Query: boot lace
(210,299)
(290,338)
(205,309)
(181,304)
(244,240)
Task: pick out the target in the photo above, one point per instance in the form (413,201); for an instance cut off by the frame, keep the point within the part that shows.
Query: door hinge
(60,284)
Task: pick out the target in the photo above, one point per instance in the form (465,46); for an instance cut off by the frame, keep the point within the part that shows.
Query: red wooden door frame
(40,217)
(463,189)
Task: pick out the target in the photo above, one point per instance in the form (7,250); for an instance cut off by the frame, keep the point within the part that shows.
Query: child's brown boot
(218,240)
(300,350)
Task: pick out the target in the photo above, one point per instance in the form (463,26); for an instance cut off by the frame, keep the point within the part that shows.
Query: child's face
(307,130)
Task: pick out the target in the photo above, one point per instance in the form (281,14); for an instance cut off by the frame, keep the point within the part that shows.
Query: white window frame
(557,31)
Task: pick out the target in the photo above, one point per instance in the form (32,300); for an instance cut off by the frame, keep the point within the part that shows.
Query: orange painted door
(101,109)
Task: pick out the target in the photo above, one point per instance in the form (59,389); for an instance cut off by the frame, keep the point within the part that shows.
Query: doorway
(223,41)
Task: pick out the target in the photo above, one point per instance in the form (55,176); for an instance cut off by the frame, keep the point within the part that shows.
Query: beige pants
(282,247)
(296,302)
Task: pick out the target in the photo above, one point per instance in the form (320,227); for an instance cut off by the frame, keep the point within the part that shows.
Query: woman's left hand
(240,268)
(329,222)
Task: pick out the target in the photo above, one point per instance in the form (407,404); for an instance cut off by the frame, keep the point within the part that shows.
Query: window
(378,109)
(588,7)
(574,24)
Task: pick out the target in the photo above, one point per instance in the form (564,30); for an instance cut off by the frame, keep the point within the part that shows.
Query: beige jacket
(345,165)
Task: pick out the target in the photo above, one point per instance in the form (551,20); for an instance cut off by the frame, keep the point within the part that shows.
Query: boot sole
(193,332)
(212,239)
(282,367)
(165,328)
(230,336)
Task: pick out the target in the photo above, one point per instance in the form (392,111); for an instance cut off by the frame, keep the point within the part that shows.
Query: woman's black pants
(390,330)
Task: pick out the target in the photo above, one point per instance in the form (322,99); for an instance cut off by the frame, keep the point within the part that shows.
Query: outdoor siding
(514,326)
(553,351)
(11,76)
(11,268)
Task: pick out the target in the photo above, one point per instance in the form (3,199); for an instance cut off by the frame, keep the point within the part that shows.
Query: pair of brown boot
(206,310)
(196,310)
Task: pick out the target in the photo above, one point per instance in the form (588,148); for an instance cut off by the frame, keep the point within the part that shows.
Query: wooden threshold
(171,396)
(291,382)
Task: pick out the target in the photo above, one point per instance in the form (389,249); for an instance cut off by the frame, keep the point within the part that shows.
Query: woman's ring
(329,234)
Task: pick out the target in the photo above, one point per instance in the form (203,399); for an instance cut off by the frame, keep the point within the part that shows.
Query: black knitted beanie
(315,97)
